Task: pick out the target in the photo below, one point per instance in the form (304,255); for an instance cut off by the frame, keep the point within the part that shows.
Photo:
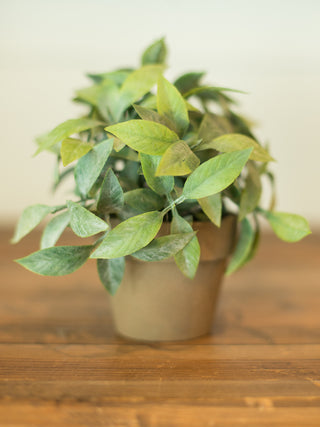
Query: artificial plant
(141,156)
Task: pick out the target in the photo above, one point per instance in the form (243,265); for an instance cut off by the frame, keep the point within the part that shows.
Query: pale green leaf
(83,222)
(129,236)
(65,130)
(111,194)
(90,166)
(111,273)
(136,85)
(30,218)
(164,247)
(144,136)
(56,261)
(215,174)
(250,195)
(54,229)
(212,207)
(72,149)
(288,227)
(243,248)
(155,53)
(188,258)
(159,184)
(171,105)
(178,160)
(234,142)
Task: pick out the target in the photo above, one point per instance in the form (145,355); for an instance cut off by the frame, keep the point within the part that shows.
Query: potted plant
(162,178)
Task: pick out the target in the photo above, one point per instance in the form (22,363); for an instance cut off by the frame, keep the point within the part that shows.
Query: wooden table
(61,363)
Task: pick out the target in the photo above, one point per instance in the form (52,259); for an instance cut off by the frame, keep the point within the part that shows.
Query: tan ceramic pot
(156,302)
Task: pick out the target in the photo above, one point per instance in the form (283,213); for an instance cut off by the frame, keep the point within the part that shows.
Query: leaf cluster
(147,152)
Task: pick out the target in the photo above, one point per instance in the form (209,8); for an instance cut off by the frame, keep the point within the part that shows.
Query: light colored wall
(267,48)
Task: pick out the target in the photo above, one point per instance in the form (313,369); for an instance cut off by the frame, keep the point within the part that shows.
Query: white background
(270,49)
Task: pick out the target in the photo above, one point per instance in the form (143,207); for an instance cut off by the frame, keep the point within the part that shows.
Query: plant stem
(173,204)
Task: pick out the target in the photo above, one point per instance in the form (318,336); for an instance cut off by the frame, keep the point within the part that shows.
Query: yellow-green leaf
(243,248)
(212,207)
(144,136)
(171,105)
(234,142)
(64,130)
(177,160)
(250,195)
(72,149)
(155,53)
(288,227)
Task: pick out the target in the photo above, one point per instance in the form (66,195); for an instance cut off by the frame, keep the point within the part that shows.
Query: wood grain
(61,363)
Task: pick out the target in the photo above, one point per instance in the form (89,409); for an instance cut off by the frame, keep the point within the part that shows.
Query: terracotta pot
(156,302)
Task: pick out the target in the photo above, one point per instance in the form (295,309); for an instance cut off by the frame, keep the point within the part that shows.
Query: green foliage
(56,261)
(90,166)
(30,218)
(129,236)
(288,227)
(168,160)
(187,259)
(83,222)
(164,247)
(215,174)
(144,136)
(111,272)
(54,229)
(244,246)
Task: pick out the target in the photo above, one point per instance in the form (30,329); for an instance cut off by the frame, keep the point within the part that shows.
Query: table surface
(61,364)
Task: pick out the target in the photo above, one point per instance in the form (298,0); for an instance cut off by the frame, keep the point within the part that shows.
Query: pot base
(156,302)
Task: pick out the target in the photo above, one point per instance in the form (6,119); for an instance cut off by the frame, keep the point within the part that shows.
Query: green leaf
(288,227)
(136,85)
(155,53)
(159,184)
(188,258)
(111,195)
(144,136)
(83,222)
(54,229)
(234,142)
(143,200)
(250,195)
(164,247)
(56,261)
(215,174)
(90,166)
(177,160)
(171,105)
(111,273)
(212,207)
(64,130)
(72,149)
(243,248)
(188,81)
(129,236)
(30,218)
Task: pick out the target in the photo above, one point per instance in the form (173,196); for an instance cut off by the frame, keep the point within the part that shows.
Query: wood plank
(259,413)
